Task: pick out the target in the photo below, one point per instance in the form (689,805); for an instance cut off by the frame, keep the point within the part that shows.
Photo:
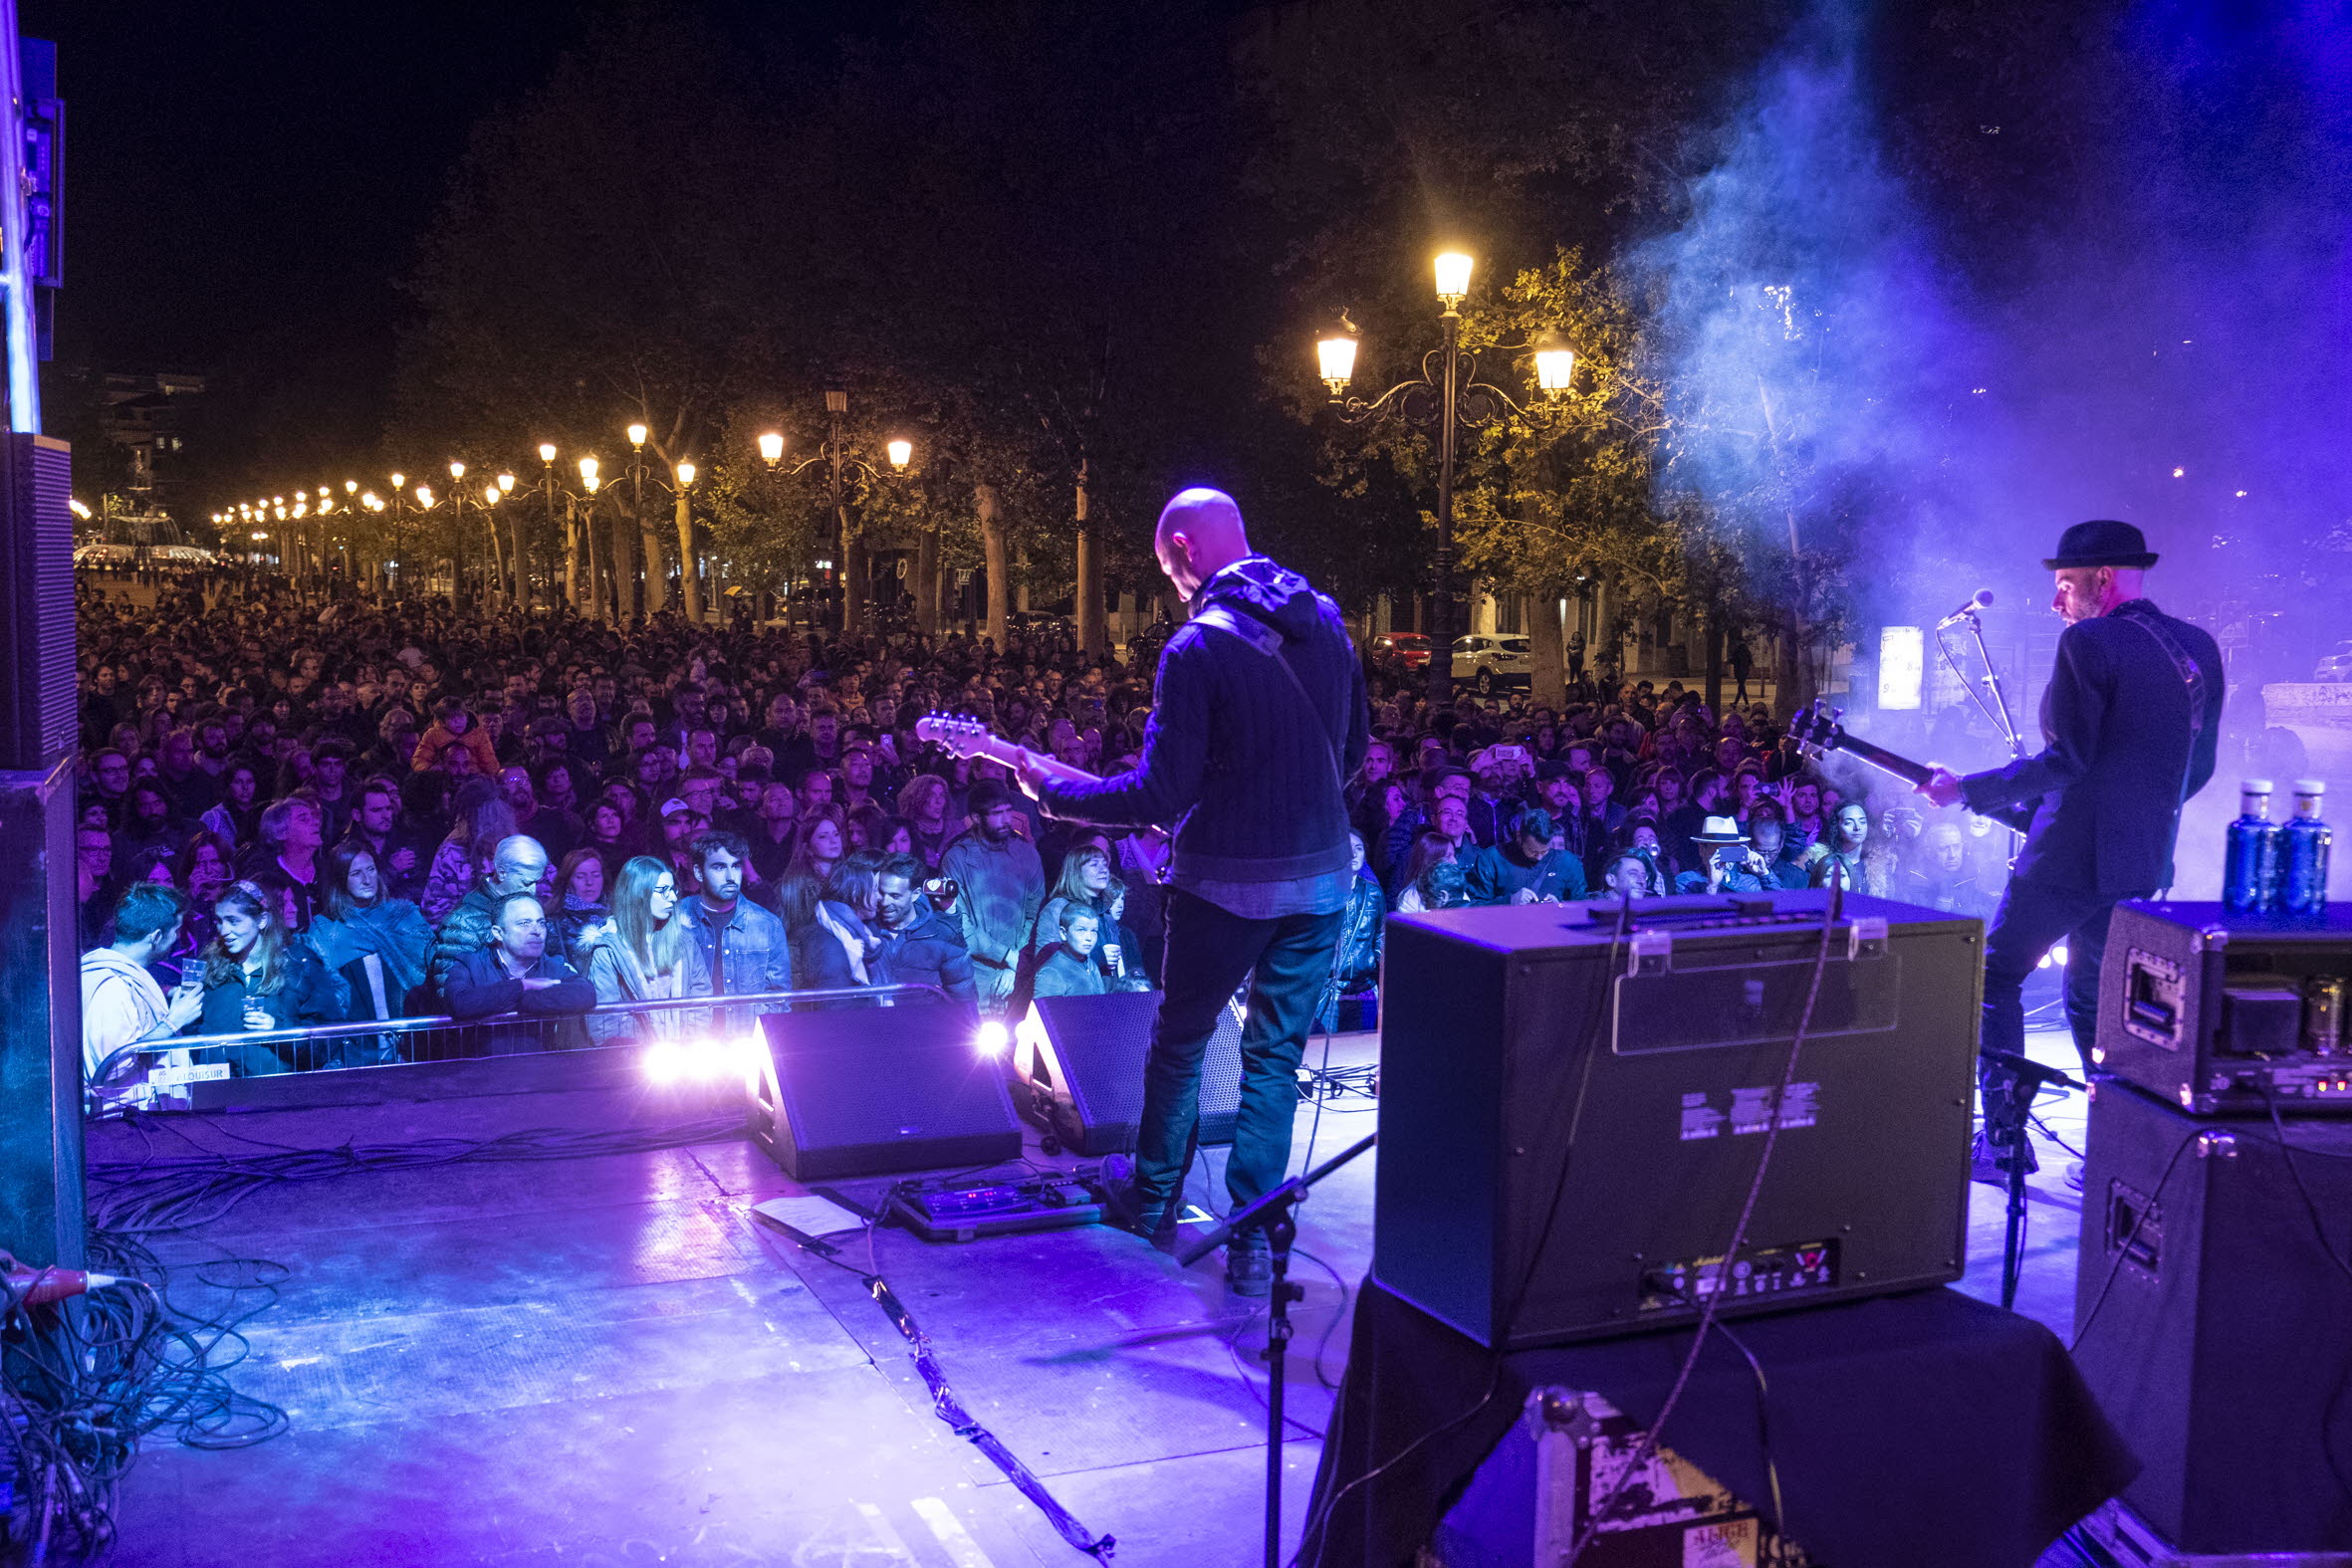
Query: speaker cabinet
(1570,1115)
(2214,1325)
(37,692)
(1079,1061)
(867,1092)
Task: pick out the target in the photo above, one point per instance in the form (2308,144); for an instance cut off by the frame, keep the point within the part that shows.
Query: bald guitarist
(1258,720)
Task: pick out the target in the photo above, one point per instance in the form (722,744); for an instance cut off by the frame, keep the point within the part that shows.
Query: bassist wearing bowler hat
(2129,723)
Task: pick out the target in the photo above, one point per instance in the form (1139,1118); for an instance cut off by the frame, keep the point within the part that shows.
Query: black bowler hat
(2102,541)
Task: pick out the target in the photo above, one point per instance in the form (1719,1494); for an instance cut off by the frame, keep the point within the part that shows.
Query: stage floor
(608,1363)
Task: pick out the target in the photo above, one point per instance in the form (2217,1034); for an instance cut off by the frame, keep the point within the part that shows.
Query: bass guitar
(1818,731)
(961,737)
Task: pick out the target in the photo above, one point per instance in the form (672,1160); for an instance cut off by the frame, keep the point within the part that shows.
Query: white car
(1487,662)
(2337,666)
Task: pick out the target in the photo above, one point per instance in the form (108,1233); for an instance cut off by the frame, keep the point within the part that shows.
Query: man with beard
(920,946)
(1003,885)
(743,946)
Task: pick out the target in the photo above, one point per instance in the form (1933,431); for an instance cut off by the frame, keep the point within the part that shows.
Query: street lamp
(1447,397)
(834,454)
(686,473)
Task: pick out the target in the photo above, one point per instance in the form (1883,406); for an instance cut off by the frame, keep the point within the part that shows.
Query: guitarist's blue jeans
(1211,951)
(2031,920)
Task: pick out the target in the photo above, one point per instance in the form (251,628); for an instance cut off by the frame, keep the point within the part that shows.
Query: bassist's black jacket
(2121,753)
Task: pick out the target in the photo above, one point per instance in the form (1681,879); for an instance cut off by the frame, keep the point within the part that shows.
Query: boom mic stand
(1275,1214)
(2008,1110)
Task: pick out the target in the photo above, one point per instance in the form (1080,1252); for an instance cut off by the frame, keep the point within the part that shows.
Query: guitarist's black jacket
(2128,737)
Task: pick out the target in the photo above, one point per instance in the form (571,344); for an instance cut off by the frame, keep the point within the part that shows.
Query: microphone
(1982,600)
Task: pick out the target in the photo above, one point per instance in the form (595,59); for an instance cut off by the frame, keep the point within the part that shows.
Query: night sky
(247,185)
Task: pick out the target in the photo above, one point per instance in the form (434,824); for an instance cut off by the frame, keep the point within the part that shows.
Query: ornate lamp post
(834,454)
(1447,397)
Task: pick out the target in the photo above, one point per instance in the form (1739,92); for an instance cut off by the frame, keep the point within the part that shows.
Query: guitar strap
(2192,680)
(1266,640)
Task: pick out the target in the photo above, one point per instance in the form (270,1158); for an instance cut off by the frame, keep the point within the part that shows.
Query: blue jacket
(1249,769)
(2117,761)
(754,954)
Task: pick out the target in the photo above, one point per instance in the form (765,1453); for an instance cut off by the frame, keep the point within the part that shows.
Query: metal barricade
(683,1035)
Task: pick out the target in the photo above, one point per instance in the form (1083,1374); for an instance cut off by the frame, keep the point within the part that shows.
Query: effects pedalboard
(946,1209)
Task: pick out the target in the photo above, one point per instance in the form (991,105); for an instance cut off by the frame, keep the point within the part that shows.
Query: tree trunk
(1793,685)
(1090,596)
(624,585)
(654,589)
(519,557)
(571,577)
(1714,645)
(1000,576)
(926,584)
(689,579)
(1547,678)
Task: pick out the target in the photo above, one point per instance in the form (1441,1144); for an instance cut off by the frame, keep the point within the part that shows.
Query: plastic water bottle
(2249,862)
(2302,853)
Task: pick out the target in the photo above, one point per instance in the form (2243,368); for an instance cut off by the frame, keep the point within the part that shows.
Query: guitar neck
(1014,756)
(1887,761)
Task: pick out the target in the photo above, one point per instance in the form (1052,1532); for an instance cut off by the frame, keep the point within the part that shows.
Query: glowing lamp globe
(1453,277)
(547,451)
(636,435)
(588,471)
(457,471)
(685,473)
(1337,355)
(491,493)
(771,448)
(1556,366)
(506,483)
(901,453)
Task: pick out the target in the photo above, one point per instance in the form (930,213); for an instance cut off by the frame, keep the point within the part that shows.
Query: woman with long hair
(1432,877)
(642,953)
(923,802)
(1850,857)
(799,890)
(483,817)
(868,826)
(356,921)
(256,976)
(575,902)
(1085,880)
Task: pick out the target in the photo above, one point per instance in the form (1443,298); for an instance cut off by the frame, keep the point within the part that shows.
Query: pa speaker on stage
(863,1091)
(2210,1320)
(1080,1060)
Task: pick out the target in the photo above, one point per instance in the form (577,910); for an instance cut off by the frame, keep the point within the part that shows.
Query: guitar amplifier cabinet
(1570,1116)
(2227,1014)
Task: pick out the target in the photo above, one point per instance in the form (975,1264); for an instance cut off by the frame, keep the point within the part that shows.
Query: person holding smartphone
(122,1004)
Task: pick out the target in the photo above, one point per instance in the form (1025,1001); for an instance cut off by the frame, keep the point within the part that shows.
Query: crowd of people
(293,813)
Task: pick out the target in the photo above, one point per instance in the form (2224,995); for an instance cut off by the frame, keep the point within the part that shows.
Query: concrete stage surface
(608,1363)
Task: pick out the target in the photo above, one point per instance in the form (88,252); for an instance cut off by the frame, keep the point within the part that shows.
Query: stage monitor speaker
(2211,1320)
(1570,1119)
(1080,1060)
(864,1091)
(2228,1014)
(37,690)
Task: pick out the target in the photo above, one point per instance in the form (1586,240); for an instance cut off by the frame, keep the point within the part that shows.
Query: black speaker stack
(1571,1109)
(866,1092)
(2213,1293)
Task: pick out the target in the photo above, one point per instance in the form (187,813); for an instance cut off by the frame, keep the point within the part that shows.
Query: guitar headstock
(960,735)
(1816,730)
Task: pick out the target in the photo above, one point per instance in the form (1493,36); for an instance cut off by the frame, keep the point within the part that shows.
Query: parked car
(1143,649)
(1410,648)
(2337,666)
(1487,662)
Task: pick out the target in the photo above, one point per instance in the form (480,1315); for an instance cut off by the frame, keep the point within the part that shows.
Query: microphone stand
(1275,1214)
(2000,716)
(2005,1129)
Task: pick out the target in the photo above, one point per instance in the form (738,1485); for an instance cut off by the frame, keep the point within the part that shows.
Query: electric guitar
(1817,732)
(970,737)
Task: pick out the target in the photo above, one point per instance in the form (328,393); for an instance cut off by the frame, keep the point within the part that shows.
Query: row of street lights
(510,558)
